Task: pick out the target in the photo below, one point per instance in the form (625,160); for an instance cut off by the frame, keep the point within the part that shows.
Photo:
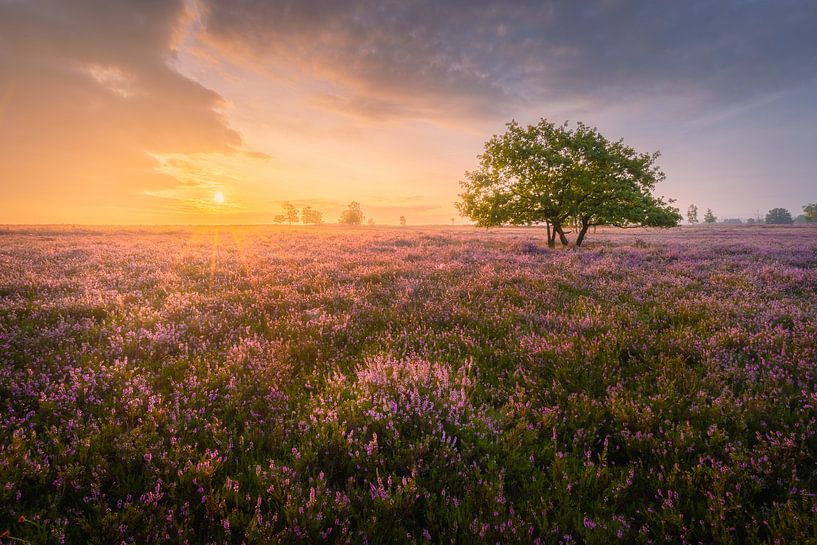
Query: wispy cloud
(95,99)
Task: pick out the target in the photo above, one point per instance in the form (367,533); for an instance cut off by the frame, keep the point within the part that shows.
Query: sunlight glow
(218,197)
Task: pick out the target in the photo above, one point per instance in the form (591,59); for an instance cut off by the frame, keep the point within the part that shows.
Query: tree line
(352,215)
(775,216)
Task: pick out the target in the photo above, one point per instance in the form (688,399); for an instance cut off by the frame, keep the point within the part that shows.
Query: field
(294,385)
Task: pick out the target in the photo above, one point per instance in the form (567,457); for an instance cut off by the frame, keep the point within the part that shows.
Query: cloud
(91,95)
(109,109)
(386,59)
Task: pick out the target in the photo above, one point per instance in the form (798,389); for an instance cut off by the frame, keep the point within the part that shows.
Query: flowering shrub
(255,385)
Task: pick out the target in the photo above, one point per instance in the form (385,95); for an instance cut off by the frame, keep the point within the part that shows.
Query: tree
(778,216)
(279,218)
(810,211)
(563,176)
(353,215)
(290,213)
(709,217)
(403,221)
(371,221)
(308,215)
(692,214)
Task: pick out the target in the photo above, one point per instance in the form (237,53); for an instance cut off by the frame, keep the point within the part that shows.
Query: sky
(139,112)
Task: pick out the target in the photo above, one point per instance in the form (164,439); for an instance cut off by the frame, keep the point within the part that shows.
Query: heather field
(376,385)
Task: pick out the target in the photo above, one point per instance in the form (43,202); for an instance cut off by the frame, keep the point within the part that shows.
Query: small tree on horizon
(290,212)
(810,212)
(709,217)
(692,214)
(279,218)
(309,215)
(778,216)
(403,221)
(353,215)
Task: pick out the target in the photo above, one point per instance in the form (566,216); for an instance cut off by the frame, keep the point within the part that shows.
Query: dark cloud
(489,57)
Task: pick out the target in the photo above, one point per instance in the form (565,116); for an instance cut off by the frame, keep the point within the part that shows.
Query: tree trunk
(562,236)
(551,236)
(580,238)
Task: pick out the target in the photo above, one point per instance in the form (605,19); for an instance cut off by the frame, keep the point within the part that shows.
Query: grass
(382,385)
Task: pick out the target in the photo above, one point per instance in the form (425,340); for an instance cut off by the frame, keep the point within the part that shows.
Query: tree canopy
(779,216)
(810,212)
(290,212)
(692,214)
(310,215)
(562,177)
(353,215)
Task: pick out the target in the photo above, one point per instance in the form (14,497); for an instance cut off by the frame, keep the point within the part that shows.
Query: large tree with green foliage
(562,177)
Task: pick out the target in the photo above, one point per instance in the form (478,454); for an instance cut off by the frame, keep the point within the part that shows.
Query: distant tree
(692,214)
(403,221)
(371,221)
(732,221)
(290,212)
(453,221)
(810,211)
(563,176)
(353,215)
(802,218)
(308,215)
(279,218)
(750,221)
(709,217)
(778,216)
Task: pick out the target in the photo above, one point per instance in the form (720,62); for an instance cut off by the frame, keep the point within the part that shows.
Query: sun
(218,197)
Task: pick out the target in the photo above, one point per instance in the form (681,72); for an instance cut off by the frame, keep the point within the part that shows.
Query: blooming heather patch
(258,385)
